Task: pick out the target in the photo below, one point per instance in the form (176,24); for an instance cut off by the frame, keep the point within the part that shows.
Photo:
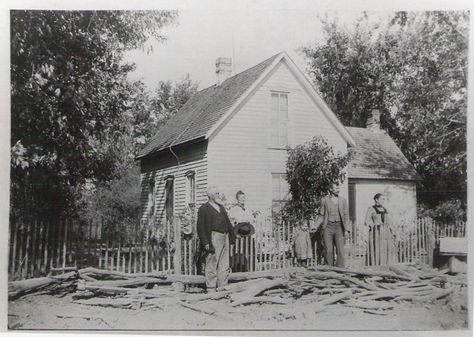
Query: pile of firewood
(311,290)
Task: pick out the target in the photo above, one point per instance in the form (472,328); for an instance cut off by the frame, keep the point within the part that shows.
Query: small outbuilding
(379,166)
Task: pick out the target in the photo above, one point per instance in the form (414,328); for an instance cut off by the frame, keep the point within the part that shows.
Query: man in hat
(335,222)
(242,220)
(215,235)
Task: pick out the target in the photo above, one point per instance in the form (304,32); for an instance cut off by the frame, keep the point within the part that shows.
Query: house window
(279,120)
(151,202)
(169,198)
(190,188)
(280,192)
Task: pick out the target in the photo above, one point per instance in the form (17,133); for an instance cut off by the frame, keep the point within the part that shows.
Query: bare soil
(36,311)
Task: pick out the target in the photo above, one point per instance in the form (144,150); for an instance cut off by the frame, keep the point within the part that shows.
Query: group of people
(217,230)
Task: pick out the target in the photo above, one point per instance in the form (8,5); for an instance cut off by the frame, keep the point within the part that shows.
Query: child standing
(302,245)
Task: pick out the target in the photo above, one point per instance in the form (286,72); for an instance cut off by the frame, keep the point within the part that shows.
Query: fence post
(34,241)
(14,226)
(431,244)
(64,243)
(177,241)
(25,269)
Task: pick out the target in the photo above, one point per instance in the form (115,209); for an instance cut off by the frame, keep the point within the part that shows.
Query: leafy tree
(412,66)
(446,212)
(117,202)
(69,96)
(153,110)
(430,99)
(312,169)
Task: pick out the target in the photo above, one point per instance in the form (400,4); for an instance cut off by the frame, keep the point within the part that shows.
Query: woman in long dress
(378,221)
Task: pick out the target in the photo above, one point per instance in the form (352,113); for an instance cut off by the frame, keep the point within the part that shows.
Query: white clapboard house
(233,135)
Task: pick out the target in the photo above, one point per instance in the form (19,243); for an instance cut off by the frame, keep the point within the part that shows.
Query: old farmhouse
(234,134)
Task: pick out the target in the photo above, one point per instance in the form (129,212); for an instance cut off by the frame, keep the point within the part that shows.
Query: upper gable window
(279,120)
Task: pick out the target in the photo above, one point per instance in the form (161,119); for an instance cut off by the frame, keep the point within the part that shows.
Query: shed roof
(376,156)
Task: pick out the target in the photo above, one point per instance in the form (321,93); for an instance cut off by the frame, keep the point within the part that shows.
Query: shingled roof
(378,157)
(203,110)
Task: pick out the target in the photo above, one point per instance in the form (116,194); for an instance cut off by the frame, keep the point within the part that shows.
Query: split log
(186,279)
(87,278)
(399,271)
(260,299)
(202,297)
(360,272)
(332,291)
(101,289)
(121,303)
(257,289)
(435,295)
(146,293)
(324,283)
(275,292)
(334,298)
(312,308)
(17,289)
(134,282)
(375,305)
(243,285)
(58,270)
(375,312)
(244,276)
(394,294)
(344,279)
(116,275)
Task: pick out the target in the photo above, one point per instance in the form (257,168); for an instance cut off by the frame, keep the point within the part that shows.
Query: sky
(248,36)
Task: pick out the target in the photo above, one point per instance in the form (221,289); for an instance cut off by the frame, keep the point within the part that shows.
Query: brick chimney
(223,69)
(373,123)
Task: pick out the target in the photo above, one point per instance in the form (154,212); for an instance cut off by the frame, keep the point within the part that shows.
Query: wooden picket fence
(406,243)
(36,247)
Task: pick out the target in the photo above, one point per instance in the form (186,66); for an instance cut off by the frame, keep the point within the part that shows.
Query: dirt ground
(51,313)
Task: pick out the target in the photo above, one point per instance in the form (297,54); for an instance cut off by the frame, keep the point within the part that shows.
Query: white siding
(193,158)
(400,198)
(239,156)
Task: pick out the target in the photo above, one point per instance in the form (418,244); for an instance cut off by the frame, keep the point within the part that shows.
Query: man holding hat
(241,217)
(215,235)
(242,220)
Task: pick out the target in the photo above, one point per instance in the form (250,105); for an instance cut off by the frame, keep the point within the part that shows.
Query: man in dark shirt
(215,235)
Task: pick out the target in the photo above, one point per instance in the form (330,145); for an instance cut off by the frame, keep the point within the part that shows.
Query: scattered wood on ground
(295,291)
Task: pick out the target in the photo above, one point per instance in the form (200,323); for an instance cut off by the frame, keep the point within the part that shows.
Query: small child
(302,245)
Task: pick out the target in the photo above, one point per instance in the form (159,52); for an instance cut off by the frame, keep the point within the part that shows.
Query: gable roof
(203,110)
(208,110)
(376,156)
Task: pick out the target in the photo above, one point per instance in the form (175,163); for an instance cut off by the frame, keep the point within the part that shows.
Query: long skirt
(380,246)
